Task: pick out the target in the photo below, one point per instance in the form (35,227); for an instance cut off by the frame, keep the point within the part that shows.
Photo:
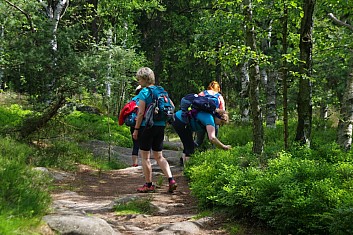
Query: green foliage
(61,154)
(91,126)
(205,171)
(341,221)
(302,191)
(10,225)
(235,135)
(65,155)
(11,117)
(103,163)
(23,191)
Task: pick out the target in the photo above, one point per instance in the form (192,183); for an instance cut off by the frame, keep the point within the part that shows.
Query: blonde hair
(146,74)
(214,86)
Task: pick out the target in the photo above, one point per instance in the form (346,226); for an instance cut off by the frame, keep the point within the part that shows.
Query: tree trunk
(35,123)
(54,11)
(271,114)
(218,65)
(244,104)
(1,51)
(284,73)
(305,88)
(344,136)
(95,21)
(255,79)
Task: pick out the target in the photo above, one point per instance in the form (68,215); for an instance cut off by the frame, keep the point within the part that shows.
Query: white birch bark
(54,11)
(245,109)
(1,51)
(344,138)
(345,125)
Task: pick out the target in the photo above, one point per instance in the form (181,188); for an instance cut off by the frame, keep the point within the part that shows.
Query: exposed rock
(185,227)
(79,225)
(88,109)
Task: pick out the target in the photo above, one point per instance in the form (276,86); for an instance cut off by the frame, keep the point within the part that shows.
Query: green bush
(92,126)
(207,172)
(60,154)
(23,192)
(293,195)
(302,191)
(11,117)
(341,220)
(66,155)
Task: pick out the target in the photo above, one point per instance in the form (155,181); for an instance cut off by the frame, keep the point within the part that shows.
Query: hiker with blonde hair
(150,138)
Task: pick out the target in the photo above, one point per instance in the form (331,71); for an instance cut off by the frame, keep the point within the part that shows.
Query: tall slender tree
(255,107)
(305,68)
(345,125)
(285,75)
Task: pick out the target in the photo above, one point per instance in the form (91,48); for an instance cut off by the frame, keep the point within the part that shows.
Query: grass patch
(10,225)
(136,206)
(203,214)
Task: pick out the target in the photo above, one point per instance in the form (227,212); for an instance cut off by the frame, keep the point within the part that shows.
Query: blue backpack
(193,103)
(130,120)
(213,97)
(161,108)
(128,113)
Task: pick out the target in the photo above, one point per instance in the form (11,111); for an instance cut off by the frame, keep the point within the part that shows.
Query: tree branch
(339,22)
(28,16)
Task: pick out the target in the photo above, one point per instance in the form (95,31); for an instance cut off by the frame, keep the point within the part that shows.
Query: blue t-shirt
(201,120)
(146,95)
(136,99)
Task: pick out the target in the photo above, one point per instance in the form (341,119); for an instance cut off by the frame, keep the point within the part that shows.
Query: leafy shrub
(299,194)
(66,155)
(91,126)
(341,221)
(293,194)
(236,135)
(60,154)
(207,172)
(11,116)
(23,191)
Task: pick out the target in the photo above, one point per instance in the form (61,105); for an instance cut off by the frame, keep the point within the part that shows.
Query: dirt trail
(99,189)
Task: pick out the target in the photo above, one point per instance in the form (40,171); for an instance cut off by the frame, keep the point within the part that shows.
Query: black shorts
(151,138)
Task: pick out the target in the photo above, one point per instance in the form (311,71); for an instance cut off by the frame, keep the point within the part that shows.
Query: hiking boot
(172,186)
(146,189)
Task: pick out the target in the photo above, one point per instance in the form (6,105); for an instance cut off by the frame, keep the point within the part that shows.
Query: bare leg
(146,165)
(162,163)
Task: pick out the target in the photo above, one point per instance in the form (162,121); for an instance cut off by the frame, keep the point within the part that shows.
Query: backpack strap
(151,90)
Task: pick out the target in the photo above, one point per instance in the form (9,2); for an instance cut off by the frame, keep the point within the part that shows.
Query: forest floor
(98,187)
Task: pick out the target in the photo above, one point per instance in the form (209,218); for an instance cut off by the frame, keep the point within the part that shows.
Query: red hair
(214,86)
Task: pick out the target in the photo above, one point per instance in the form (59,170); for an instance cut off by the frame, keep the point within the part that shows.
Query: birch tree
(54,10)
(345,125)
(254,85)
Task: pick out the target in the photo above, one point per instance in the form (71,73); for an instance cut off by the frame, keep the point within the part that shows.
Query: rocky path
(83,201)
